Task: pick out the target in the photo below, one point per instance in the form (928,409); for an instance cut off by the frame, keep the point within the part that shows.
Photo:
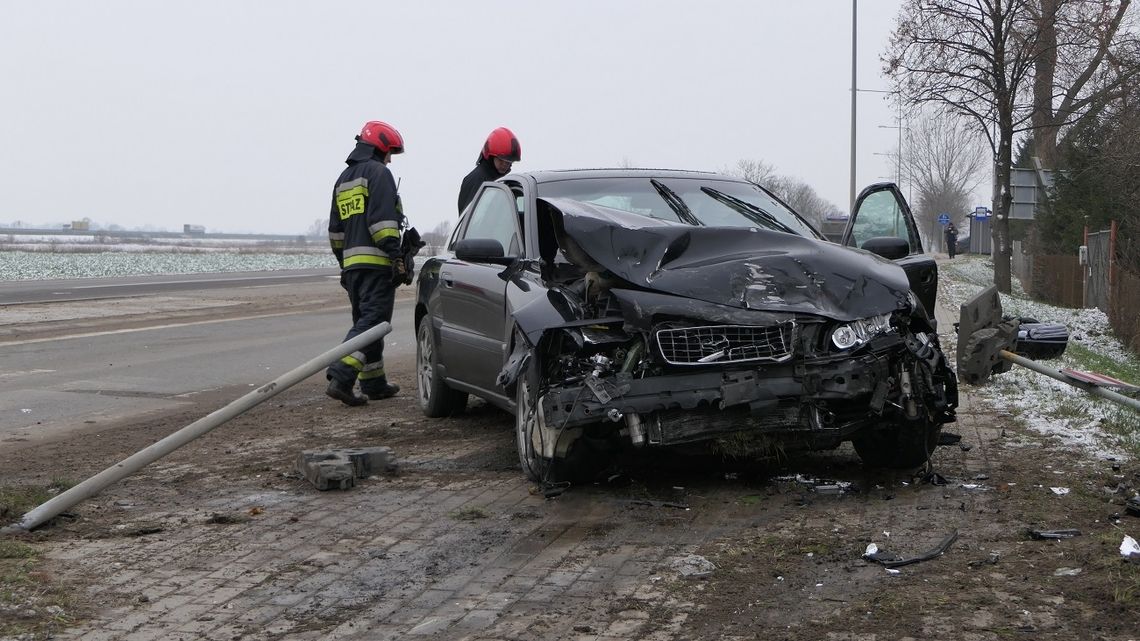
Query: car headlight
(860,331)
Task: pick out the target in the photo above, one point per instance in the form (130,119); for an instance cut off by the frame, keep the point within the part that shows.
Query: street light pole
(854,90)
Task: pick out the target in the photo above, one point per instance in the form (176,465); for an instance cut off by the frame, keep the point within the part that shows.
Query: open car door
(883,223)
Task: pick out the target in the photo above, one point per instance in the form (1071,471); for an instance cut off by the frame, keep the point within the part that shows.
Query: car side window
(495,216)
(880,215)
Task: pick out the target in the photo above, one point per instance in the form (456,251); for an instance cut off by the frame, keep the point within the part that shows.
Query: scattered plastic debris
(933,478)
(893,571)
(949,438)
(820,486)
(890,560)
(651,503)
(992,559)
(1066,571)
(1060,491)
(1130,549)
(1041,535)
(1132,506)
(693,566)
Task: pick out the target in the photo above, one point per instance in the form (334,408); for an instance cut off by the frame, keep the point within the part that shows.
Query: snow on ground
(133,260)
(1076,419)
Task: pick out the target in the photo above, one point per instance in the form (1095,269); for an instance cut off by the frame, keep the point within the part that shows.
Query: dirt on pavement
(223,540)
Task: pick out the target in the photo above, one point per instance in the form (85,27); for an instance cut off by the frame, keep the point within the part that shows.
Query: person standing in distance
(499,151)
(951,239)
(364,231)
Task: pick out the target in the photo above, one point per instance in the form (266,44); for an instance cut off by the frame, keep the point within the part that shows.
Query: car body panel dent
(737,267)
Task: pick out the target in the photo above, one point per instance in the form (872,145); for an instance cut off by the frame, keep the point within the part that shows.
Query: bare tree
(1086,55)
(436,239)
(318,229)
(944,161)
(974,58)
(999,65)
(797,194)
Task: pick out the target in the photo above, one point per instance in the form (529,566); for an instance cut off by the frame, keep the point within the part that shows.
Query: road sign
(943,219)
(981,213)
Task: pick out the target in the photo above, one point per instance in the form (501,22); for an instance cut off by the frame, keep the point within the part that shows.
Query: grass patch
(34,606)
(470,514)
(1126,370)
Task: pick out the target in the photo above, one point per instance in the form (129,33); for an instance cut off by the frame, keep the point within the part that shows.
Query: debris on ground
(949,438)
(891,560)
(1130,549)
(1132,506)
(1042,535)
(652,503)
(338,469)
(693,566)
(1066,571)
(1060,491)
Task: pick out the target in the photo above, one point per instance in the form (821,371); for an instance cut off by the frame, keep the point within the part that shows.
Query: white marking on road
(144,329)
(26,372)
(199,280)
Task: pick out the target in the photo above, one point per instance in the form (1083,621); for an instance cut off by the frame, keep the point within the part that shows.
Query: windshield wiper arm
(749,210)
(675,203)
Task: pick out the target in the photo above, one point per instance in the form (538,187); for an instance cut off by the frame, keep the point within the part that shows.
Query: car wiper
(675,203)
(747,209)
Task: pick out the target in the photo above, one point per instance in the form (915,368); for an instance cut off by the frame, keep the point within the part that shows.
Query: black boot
(389,390)
(344,394)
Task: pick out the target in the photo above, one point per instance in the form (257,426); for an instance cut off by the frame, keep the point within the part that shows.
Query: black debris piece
(949,438)
(890,560)
(652,503)
(1132,506)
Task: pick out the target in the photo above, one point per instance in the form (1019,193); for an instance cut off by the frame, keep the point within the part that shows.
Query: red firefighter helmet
(502,144)
(382,136)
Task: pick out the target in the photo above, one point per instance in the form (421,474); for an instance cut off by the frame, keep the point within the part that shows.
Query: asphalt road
(88,378)
(42,291)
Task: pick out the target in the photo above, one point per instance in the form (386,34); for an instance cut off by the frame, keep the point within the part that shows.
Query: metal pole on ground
(142,458)
(1088,387)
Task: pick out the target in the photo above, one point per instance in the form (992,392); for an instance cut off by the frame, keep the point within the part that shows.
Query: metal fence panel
(1096,282)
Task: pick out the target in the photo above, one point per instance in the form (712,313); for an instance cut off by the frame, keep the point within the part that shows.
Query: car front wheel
(528,421)
(436,397)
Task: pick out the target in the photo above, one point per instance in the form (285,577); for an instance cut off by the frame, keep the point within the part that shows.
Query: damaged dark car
(620,309)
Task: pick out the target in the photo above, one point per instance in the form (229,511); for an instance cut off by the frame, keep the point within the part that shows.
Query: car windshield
(701,201)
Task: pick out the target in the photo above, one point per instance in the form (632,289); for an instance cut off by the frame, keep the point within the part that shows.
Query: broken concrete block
(338,469)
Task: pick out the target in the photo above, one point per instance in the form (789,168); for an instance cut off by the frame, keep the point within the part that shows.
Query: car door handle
(446,278)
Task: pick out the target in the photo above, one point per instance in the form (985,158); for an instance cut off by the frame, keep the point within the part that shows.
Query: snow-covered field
(135,260)
(1096,426)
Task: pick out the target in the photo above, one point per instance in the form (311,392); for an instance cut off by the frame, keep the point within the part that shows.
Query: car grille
(719,344)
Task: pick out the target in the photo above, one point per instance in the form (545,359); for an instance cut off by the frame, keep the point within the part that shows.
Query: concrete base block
(338,469)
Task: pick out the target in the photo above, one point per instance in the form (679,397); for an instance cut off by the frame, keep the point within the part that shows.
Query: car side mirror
(888,247)
(482,250)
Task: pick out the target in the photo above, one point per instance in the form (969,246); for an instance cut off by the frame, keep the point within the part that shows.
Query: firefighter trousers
(372,294)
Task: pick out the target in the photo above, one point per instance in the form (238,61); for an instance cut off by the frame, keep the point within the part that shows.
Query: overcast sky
(238,115)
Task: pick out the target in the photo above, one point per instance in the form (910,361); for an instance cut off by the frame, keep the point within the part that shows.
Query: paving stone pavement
(425,556)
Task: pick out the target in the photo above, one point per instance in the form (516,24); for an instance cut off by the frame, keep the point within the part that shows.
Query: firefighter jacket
(484,171)
(366,216)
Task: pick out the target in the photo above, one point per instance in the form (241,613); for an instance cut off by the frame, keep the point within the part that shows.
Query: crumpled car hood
(750,269)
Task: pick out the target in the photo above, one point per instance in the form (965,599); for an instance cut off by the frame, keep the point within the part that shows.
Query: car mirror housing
(888,247)
(482,250)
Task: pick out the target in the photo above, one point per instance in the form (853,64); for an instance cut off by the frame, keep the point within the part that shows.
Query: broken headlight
(860,331)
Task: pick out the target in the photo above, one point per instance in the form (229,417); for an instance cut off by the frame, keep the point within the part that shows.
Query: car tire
(528,416)
(435,396)
(897,446)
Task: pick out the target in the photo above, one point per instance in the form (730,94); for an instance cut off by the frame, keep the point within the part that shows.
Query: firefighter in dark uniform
(499,151)
(364,231)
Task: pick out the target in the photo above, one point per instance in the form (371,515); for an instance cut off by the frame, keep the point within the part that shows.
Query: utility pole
(854,93)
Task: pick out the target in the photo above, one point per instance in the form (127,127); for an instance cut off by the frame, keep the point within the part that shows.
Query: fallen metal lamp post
(1095,390)
(202,426)
(986,342)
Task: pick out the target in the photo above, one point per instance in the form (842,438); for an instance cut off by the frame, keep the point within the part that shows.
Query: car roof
(554,175)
